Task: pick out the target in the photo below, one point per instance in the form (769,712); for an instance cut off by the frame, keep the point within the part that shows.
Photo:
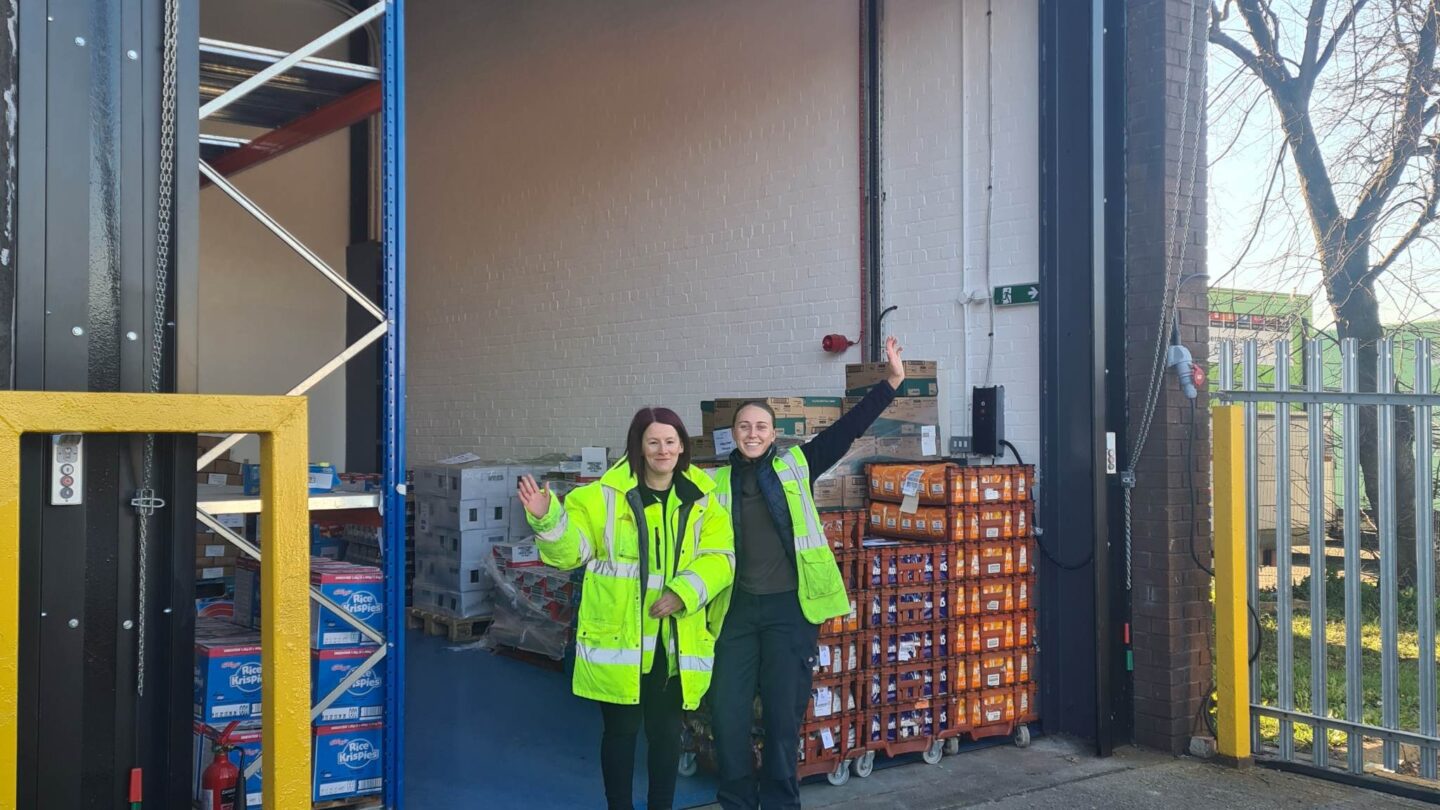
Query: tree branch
(1405,138)
(1427,216)
(1273,77)
(1265,47)
(1345,23)
(1313,23)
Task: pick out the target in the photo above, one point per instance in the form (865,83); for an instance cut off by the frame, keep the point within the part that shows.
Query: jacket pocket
(821,577)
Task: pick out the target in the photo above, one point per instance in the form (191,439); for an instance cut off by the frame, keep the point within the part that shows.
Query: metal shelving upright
(301,97)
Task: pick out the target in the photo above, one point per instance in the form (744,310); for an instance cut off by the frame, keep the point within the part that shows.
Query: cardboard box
(246,739)
(464,481)
(821,412)
(448,573)
(474,604)
(227,678)
(909,448)
(360,591)
(364,700)
(904,417)
(856,490)
(720,413)
(862,452)
(219,480)
(468,548)
(702,447)
(829,492)
(322,478)
(921,378)
(348,761)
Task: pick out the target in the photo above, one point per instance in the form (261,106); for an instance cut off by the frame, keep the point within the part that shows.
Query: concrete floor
(1061,773)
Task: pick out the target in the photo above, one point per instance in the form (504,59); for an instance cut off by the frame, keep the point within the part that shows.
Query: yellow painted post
(1232,628)
(285,613)
(281,423)
(9,612)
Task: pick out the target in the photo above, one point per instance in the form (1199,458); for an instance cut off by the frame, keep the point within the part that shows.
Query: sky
(1243,142)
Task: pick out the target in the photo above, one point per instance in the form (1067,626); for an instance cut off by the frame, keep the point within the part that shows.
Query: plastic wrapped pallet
(534,604)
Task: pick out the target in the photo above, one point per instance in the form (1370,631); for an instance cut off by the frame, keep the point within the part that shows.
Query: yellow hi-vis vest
(822,589)
(600,527)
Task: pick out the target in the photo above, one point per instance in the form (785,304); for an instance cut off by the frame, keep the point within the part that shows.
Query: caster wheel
(688,764)
(952,746)
(865,765)
(933,754)
(840,775)
(1022,736)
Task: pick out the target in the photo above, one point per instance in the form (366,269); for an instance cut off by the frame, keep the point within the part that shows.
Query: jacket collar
(691,485)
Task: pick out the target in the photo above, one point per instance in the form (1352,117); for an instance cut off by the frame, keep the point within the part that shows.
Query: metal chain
(145,501)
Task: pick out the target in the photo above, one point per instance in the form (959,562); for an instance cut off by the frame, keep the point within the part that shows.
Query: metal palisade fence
(1341,613)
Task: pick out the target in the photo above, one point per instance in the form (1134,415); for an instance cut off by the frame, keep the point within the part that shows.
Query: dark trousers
(767,645)
(659,712)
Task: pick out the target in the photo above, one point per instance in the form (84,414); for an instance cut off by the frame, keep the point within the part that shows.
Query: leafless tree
(1353,86)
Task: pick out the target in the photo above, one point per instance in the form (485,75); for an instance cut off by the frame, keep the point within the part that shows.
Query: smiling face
(661,444)
(754,431)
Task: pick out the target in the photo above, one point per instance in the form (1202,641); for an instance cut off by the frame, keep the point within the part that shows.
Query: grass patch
(1407,644)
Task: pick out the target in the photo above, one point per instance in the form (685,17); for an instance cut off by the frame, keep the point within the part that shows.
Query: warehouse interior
(614,207)
(609,206)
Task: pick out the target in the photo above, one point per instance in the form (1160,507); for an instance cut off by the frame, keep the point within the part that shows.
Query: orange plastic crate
(839,654)
(1027,703)
(918,723)
(907,605)
(993,707)
(831,739)
(902,645)
(845,624)
(934,483)
(996,595)
(998,669)
(978,524)
(929,523)
(842,528)
(1023,555)
(1003,632)
(990,558)
(910,683)
(834,696)
(905,562)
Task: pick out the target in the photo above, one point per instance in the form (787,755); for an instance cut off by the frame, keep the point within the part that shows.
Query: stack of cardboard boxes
(222,472)
(463,510)
(228,679)
(907,430)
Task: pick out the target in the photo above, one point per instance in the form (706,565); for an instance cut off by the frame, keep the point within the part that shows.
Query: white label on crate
(215,479)
(993,568)
(827,738)
(236,522)
(993,715)
(823,702)
(992,644)
(342,788)
(927,440)
(992,532)
(724,442)
(993,605)
(825,656)
(992,680)
(992,494)
(214,551)
(907,650)
(212,573)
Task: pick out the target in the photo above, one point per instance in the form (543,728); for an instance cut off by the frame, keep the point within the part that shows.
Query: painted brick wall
(613,205)
(941,66)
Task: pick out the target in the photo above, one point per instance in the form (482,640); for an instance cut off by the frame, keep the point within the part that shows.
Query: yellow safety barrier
(282,426)
(1232,626)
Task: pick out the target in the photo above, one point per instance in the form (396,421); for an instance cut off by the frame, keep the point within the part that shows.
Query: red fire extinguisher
(220,785)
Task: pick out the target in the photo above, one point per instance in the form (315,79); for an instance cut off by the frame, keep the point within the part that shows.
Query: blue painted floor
(485,731)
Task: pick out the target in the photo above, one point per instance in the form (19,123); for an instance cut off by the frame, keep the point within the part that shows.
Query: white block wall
(268,319)
(615,205)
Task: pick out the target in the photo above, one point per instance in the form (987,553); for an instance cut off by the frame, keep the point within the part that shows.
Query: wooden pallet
(438,624)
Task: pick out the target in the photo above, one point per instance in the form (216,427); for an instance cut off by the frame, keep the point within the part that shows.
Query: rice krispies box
(348,761)
(360,591)
(364,700)
(227,677)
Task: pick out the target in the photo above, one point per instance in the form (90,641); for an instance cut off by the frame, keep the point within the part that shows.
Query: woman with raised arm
(657,548)
(786,585)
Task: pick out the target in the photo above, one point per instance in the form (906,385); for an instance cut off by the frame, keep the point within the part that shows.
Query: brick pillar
(1170,598)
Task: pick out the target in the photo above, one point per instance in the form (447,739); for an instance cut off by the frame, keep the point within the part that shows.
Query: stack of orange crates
(832,732)
(964,570)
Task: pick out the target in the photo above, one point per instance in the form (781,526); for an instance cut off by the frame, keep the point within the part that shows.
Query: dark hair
(635,440)
(754,403)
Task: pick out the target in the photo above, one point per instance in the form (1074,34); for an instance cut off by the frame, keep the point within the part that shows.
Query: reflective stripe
(556,532)
(587,549)
(609,568)
(724,552)
(655,582)
(649,644)
(609,522)
(605,657)
(697,663)
(724,499)
(814,536)
(702,594)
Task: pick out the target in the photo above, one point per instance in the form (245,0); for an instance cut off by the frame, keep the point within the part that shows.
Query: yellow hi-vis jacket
(688,547)
(822,588)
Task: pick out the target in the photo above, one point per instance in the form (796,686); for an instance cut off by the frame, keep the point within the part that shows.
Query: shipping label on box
(360,591)
(921,378)
(246,741)
(821,412)
(829,492)
(348,761)
(363,700)
(227,679)
(856,490)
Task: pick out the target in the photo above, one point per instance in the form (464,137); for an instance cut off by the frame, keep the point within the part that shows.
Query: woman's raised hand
(535,499)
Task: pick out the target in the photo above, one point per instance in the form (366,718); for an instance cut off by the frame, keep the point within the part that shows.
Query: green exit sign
(1013,295)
